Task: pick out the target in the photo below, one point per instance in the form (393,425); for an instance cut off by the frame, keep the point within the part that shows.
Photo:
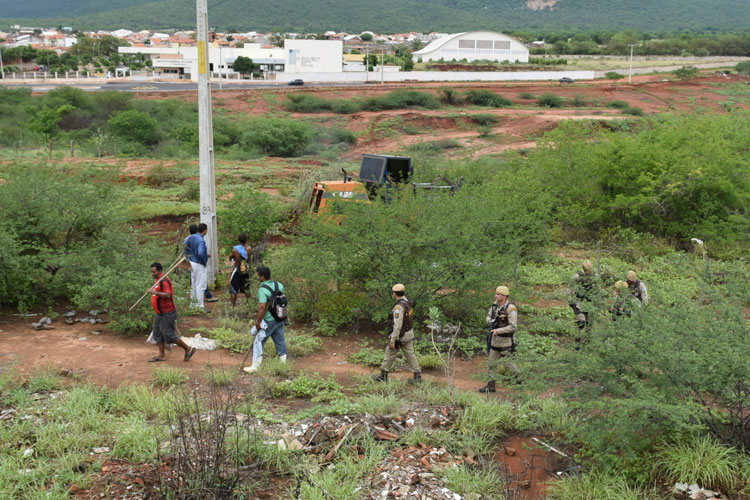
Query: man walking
(267,322)
(197,253)
(402,337)
(162,300)
(240,274)
(637,288)
(580,291)
(502,320)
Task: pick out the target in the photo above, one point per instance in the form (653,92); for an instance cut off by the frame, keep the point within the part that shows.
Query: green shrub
(633,111)
(549,100)
(487,98)
(161,175)
(303,102)
(449,95)
(526,95)
(401,99)
(742,68)
(314,387)
(617,104)
(250,211)
(368,356)
(429,361)
(234,340)
(277,136)
(485,120)
(434,146)
(342,135)
(136,126)
(700,460)
(167,376)
(613,75)
(301,343)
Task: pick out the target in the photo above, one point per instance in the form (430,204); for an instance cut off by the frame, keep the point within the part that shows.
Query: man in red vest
(162,301)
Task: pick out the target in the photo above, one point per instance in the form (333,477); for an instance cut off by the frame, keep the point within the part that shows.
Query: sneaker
(251,369)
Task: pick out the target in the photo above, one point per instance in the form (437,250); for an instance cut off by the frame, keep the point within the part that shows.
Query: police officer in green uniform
(402,337)
(502,320)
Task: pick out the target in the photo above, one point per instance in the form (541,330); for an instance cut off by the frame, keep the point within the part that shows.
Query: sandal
(190,354)
(156,358)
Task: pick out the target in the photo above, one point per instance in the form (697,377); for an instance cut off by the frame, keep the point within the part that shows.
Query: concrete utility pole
(630,73)
(2,69)
(382,62)
(206,142)
(367,62)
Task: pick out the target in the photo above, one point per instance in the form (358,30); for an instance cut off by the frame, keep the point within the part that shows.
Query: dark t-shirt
(162,305)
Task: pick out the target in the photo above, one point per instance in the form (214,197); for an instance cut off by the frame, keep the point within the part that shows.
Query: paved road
(167,86)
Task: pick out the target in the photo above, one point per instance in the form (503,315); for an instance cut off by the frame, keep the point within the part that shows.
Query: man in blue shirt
(187,249)
(265,324)
(197,253)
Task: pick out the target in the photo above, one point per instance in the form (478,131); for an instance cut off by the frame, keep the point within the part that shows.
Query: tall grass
(702,460)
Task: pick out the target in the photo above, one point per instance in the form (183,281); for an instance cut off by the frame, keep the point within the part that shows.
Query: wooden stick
(171,268)
(552,448)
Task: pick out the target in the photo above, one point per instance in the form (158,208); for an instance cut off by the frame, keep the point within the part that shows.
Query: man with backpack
(269,322)
(402,337)
(240,272)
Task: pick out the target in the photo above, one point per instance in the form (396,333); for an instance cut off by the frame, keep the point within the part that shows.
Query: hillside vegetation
(387,15)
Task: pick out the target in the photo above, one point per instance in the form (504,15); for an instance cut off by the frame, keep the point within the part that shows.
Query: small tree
(371,61)
(244,65)
(46,122)
(366,37)
(686,73)
(614,75)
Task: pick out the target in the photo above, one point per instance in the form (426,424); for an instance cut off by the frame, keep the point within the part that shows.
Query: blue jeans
(274,330)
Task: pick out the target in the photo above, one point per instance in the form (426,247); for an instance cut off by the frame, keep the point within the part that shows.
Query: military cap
(398,288)
(621,284)
(632,276)
(587,265)
(503,290)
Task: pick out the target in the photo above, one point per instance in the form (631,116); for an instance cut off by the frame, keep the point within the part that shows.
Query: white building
(313,56)
(183,61)
(474,45)
(297,56)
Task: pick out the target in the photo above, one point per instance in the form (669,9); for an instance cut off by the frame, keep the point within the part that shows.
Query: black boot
(490,387)
(383,377)
(417,378)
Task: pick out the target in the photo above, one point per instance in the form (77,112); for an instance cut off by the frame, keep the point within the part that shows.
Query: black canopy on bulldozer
(384,169)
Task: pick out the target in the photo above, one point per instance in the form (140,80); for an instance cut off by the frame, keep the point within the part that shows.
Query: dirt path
(112,360)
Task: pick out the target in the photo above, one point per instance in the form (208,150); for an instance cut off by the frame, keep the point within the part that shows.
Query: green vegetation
(743,68)
(167,376)
(549,100)
(487,98)
(391,16)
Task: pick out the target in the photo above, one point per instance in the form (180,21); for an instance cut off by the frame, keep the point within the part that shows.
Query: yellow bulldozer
(379,175)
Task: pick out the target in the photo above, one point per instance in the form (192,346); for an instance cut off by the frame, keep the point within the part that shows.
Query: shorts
(238,282)
(164,328)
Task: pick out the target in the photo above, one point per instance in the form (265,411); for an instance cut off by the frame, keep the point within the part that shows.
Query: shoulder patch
(512,308)
(395,314)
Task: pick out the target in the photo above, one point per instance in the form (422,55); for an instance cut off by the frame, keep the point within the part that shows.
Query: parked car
(567,79)
(296,82)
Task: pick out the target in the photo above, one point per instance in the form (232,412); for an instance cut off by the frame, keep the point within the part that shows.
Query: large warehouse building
(474,45)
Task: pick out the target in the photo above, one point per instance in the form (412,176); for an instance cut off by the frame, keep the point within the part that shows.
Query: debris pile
(45,323)
(201,343)
(410,473)
(684,491)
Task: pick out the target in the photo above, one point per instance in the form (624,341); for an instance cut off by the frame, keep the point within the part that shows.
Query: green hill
(384,15)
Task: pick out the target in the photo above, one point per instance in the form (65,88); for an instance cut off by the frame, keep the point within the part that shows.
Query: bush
(341,135)
(487,98)
(314,387)
(368,356)
(613,75)
(249,211)
(401,99)
(618,105)
(449,95)
(550,101)
(277,136)
(526,95)
(742,68)
(699,460)
(485,120)
(633,111)
(135,126)
(161,175)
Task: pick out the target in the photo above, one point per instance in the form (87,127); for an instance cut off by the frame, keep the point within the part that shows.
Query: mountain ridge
(388,16)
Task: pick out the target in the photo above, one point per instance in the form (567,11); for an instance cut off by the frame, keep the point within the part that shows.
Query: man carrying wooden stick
(166,315)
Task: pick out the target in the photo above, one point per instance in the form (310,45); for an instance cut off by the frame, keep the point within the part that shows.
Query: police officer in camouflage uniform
(402,337)
(625,302)
(502,320)
(637,288)
(582,290)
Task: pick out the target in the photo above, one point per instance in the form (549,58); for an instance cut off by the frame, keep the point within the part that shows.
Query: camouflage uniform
(503,322)
(405,342)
